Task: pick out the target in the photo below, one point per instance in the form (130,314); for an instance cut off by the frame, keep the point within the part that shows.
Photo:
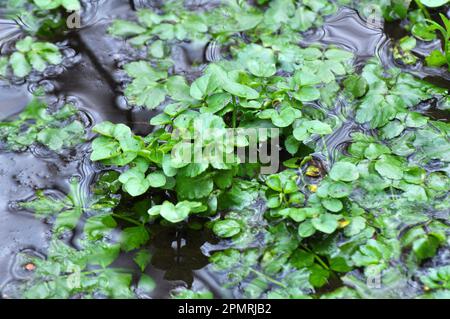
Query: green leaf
(134,237)
(318,127)
(284,117)
(332,204)
(145,92)
(301,258)
(51,138)
(339,190)
(258,60)
(178,88)
(227,81)
(319,275)
(103,254)
(426,247)
(104,148)
(423,31)
(274,182)
(142,259)
(71,5)
(194,188)
(217,102)
(117,284)
(174,214)
(146,284)
(340,264)
(344,171)
(356,225)
(307,94)
(156,179)
(203,86)
(240,90)
(436,58)
(3,65)
(373,151)
(122,28)
(143,69)
(326,223)
(437,278)
(407,43)
(389,167)
(68,219)
(156,49)
(297,214)
(226,228)
(43,205)
(19,64)
(24,45)
(97,227)
(134,182)
(306,229)
(434,3)
(356,85)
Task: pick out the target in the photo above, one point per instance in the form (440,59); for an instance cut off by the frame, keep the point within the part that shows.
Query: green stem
(317,257)
(94,271)
(130,220)
(394,197)
(234,113)
(423,9)
(276,282)
(302,177)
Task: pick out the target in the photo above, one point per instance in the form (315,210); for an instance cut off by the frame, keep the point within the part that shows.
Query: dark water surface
(91,79)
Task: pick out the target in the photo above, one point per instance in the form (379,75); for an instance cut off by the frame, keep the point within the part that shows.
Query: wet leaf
(226,228)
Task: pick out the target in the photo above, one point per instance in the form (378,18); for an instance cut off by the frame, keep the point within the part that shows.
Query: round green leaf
(332,204)
(156,179)
(172,213)
(226,228)
(326,223)
(344,171)
(434,3)
(389,167)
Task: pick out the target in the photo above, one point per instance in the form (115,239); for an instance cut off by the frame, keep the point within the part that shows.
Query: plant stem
(317,257)
(130,220)
(423,9)
(276,282)
(234,113)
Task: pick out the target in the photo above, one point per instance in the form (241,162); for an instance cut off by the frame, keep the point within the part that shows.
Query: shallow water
(92,81)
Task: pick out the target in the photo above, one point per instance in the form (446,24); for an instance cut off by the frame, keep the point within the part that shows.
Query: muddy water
(93,82)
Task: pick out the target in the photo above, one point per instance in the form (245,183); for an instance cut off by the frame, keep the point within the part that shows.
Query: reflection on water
(178,252)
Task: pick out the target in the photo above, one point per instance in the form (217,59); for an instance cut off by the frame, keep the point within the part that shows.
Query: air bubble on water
(47,85)
(122,104)
(69,52)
